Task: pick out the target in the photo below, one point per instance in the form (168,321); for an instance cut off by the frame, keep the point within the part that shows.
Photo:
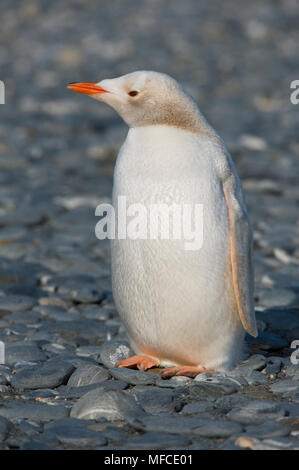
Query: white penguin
(185,311)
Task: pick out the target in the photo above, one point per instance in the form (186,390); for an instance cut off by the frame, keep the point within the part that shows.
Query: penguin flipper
(240,252)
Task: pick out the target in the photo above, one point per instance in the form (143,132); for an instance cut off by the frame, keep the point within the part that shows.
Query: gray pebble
(274,365)
(29,318)
(89,351)
(292,370)
(74,432)
(134,377)
(218,429)
(285,386)
(87,293)
(212,391)
(17,303)
(219,378)
(267,429)
(89,330)
(5,426)
(112,405)
(87,375)
(33,444)
(197,407)
(257,362)
(56,348)
(78,392)
(268,341)
(3,379)
(279,319)
(154,400)
(187,426)
(114,434)
(28,426)
(257,377)
(23,352)
(73,359)
(40,393)
(94,312)
(276,297)
(256,412)
(35,411)
(114,351)
(45,376)
(275,443)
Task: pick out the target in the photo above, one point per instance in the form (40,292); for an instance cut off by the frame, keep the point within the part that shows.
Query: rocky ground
(59,388)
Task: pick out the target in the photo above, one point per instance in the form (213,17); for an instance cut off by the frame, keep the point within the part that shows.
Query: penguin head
(145,98)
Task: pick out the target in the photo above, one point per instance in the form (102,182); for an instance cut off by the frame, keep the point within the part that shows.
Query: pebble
(33,444)
(83,294)
(89,351)
(256,412)
(73,359)
(113,352)
(276,297)
(197,407)
(28,427)
(74,432)
(256,362)
(274,365)
(279,319)
(15,352)
(5,426)
(257,377)
(268,341)
(16,303)
(292,370)
(274,443)
(268,429)
(112,405)
(77,392)
(285,386)
(154,400)
(211,391)
(219,378)
(28,318)
(35,411)
(87,375)
(185,425)
(48,375)
(134,377)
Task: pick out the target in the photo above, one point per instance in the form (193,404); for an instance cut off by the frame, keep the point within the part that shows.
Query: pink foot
(141,362)
(187,371)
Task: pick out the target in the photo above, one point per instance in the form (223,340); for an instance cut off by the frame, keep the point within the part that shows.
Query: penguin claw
(187,371)
(141,362)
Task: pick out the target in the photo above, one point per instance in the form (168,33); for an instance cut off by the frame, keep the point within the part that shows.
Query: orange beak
(87,88)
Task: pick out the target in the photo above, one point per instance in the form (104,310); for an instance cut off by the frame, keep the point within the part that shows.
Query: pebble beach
(59,387)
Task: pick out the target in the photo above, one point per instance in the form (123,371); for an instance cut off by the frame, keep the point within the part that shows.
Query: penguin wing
(240,246)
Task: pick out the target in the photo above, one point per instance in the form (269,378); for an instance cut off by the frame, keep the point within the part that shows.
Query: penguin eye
(133,93)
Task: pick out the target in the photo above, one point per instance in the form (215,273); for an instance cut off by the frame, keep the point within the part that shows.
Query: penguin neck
(164,136)
(188,120)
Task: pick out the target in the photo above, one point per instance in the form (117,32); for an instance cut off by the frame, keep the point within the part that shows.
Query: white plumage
(181,308)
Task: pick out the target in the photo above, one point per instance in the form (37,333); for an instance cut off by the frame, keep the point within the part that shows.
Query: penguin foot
(187,371)
(141,362)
